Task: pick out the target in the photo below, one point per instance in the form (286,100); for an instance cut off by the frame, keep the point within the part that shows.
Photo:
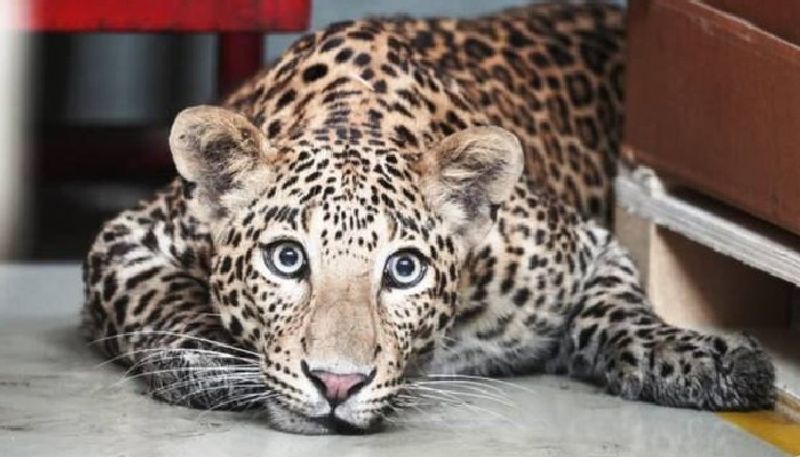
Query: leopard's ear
(223,153)
(467,174)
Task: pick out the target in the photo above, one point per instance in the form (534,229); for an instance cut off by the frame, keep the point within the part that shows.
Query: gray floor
(56,398)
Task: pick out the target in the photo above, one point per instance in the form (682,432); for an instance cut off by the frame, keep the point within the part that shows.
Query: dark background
(102,105)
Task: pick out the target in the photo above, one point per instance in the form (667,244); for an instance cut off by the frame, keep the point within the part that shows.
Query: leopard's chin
(283,419)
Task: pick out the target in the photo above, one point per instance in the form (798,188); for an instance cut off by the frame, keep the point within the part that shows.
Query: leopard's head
(338,261)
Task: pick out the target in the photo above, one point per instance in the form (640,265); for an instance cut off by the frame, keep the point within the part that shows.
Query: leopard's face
(337,279)
(338,261)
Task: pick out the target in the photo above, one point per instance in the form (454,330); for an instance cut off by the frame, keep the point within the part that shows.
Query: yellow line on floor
(769,426)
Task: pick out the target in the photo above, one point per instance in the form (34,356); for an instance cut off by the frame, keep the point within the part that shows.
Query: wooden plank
(168,15)
(723,229)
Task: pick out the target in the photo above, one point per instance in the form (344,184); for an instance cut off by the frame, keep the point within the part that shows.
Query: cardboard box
(713,99)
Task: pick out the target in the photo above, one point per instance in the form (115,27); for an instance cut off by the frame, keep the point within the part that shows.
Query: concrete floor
(56,398)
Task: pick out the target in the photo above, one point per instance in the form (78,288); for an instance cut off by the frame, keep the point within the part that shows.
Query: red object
(168,15)
(240,55)
(241,22)
(84,152)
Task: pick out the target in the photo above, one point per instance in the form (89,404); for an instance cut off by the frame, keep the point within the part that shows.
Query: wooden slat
(723,229)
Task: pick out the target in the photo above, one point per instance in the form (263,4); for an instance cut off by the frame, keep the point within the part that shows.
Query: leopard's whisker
(490,397)
(472,385)
(174,334)
(211,379)
(221,355)
(259,396)
(181,370)
(480,379)
(414,401)
(496,399)
(206,390)
(162,355)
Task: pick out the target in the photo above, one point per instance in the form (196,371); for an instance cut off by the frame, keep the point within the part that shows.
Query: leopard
(397,197)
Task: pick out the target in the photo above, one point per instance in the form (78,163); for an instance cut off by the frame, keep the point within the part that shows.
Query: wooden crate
(713,99)
(707,265)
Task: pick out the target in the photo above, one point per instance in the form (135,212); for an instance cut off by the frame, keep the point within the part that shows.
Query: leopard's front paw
(691,370)
(711,372)
(751,378)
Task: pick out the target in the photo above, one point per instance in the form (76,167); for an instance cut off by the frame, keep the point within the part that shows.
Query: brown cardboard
(713,99)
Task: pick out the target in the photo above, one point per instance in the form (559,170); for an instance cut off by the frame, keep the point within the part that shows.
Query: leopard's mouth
(338,426)
(285,417)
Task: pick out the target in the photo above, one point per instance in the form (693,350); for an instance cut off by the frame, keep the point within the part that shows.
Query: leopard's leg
(614,337)
(147,306)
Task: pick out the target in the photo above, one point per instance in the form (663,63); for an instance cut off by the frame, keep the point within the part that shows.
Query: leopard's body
(370,139)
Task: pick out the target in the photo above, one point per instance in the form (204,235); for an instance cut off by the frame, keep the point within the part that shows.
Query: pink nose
(337,387)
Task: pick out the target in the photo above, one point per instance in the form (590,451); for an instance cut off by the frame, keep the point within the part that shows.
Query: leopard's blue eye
(286,258)
(404,269)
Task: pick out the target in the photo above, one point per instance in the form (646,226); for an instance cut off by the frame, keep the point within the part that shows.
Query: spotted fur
(378,136)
